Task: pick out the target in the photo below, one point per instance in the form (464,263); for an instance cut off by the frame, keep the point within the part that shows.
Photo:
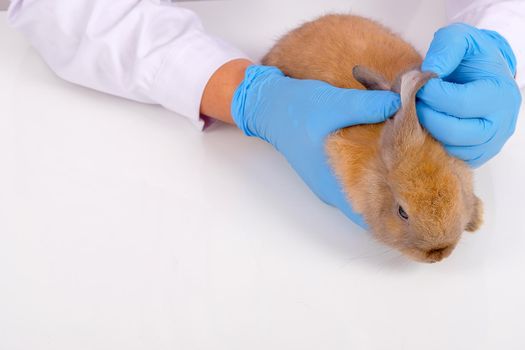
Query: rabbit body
(412,194)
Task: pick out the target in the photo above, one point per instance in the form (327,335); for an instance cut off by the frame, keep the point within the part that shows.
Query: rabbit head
(424,198)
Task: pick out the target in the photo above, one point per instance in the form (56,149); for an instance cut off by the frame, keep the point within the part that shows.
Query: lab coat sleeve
(142,50)
(507,17)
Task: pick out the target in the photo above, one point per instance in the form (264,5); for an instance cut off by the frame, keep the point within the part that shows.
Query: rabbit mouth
(430,256)
(435,255)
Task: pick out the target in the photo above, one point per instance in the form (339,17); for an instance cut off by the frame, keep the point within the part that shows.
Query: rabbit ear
(370,79)
(476,218)
(404,132)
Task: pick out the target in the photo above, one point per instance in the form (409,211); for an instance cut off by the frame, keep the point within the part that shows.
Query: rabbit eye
(402,213)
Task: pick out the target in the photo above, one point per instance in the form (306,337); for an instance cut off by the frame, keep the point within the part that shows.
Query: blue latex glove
(473,108)
(296,116)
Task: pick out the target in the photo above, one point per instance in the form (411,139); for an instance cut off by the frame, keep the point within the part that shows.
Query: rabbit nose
(438,254)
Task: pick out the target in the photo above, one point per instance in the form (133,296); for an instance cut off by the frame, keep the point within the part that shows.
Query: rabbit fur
(412,194)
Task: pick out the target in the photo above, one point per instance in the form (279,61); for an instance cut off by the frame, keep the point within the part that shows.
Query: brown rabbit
(412,194)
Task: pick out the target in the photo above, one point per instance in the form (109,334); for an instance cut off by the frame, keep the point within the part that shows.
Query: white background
(122,227)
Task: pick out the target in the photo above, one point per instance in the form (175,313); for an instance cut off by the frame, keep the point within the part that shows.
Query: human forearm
(139,50)
(217,97)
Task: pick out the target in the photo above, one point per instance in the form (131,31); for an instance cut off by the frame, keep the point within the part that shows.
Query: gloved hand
(296,116)
(473,108)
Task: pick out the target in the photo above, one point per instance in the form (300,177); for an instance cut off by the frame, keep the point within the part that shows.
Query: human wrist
(218,94)
(244,98)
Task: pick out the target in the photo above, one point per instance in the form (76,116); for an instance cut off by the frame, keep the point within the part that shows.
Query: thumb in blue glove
(296,116)
(473,108)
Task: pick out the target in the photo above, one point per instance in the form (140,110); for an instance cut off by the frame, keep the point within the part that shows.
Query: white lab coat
(155,52)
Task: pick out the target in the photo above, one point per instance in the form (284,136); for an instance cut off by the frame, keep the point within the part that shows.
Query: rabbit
(413,196)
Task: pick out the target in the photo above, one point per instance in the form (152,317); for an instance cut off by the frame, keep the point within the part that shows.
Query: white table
(122,227)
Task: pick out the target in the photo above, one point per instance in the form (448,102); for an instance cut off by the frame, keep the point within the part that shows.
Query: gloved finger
(466,153)
(504,48)
(454,131)
(331,192)
(471,100)
(476,156)
(486,156)
(447,49)
(352,107)
(345,206)
(352,215)
(476,163)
